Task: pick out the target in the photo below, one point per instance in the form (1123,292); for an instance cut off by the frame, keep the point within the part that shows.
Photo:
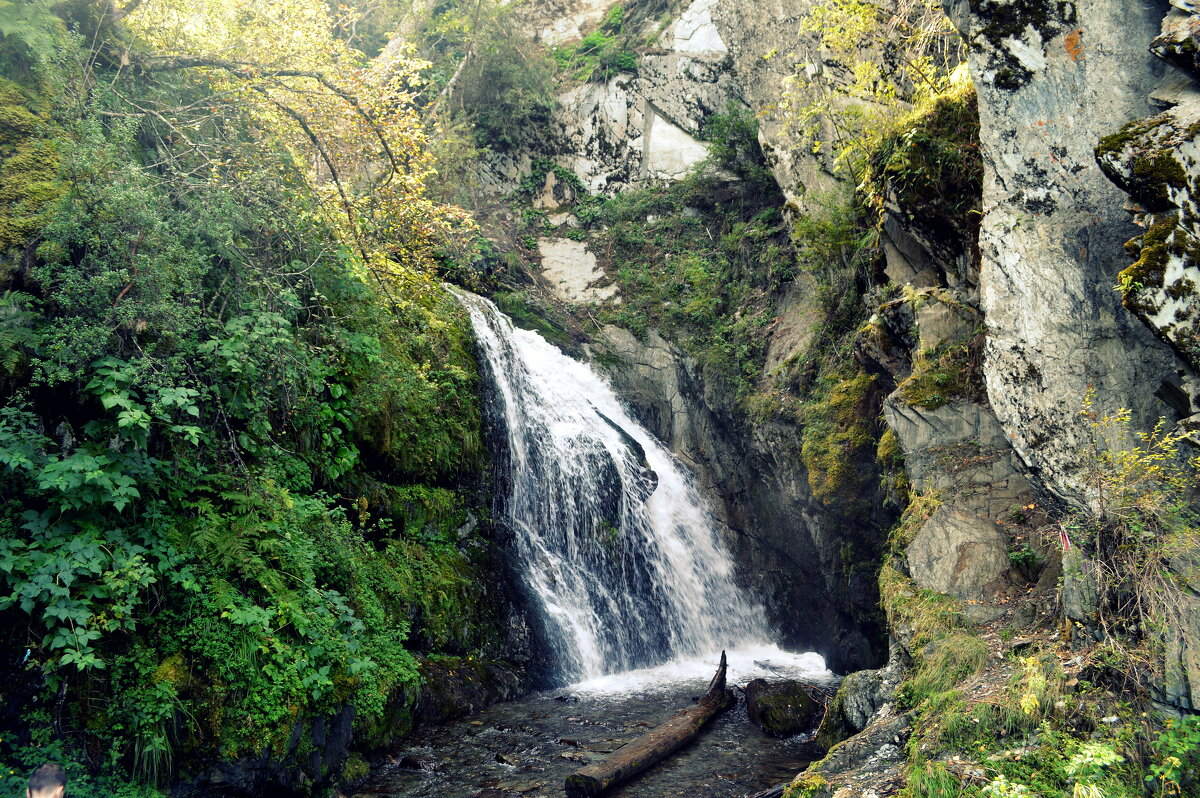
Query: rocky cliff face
(798,554)
(633,127)
(1053,78)
(1014,287)
(703,55)
(1155,161)
(810,561)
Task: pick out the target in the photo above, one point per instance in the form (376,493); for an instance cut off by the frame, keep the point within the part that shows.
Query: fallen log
(653,746)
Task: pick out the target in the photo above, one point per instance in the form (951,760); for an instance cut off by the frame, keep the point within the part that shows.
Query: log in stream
(653,746)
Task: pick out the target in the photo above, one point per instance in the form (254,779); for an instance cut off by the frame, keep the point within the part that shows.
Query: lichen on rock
(1157,162)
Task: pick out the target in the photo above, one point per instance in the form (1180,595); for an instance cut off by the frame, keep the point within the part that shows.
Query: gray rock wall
(796,553)
(1053,78)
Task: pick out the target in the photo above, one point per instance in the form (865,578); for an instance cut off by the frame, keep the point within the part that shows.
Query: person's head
(48,781)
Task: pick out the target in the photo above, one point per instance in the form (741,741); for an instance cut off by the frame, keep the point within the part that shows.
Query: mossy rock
(952,371)
(456,686)
(807,785)
(356,768)
(29,179)
(783,709)
(839,447)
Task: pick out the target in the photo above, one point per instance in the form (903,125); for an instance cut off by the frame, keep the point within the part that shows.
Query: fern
(16,336)
(31,23)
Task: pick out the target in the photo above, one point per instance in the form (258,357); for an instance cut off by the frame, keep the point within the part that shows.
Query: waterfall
(616,547)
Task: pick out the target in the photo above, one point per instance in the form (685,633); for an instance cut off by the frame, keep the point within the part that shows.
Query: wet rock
(316,752)
(458,686)
(782,709)
(859,697)
(958,553)
(417,762)
(508,759)
(520,786)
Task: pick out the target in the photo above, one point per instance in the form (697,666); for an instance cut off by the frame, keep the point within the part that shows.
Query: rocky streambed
(529,747)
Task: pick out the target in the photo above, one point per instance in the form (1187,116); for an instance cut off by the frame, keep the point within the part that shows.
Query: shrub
(602,54)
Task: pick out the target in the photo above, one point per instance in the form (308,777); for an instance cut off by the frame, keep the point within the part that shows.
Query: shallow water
(529,747)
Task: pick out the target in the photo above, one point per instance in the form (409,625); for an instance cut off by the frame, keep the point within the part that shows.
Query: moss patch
(930,165)
(1154,251)
(953,371)
(840,439)
(29,180)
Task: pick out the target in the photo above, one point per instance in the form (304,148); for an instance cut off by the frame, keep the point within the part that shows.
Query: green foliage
(236,442)
(602,54)
(17,338)
(840,107)
(29,179)
(928,162)
(1176,766)
(19,760)
(699,261)
(28,32)
(1024,557)
(506,90)
(734,146)
(1139,533)
(487,74)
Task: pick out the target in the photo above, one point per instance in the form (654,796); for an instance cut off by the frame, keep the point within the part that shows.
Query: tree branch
(247,71)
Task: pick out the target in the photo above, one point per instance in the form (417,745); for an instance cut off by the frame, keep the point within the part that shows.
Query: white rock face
(695,31)
(575,17)
(599,131)
(1053,229)
(669,151)
(572,271)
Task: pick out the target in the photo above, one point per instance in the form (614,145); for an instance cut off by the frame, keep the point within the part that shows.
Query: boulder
(859,698)
(781,709)
(958,553)
(453,687)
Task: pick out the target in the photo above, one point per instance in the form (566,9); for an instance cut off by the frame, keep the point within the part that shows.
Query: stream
(529,747)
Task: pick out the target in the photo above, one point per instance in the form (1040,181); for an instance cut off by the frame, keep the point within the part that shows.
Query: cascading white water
(615,545)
